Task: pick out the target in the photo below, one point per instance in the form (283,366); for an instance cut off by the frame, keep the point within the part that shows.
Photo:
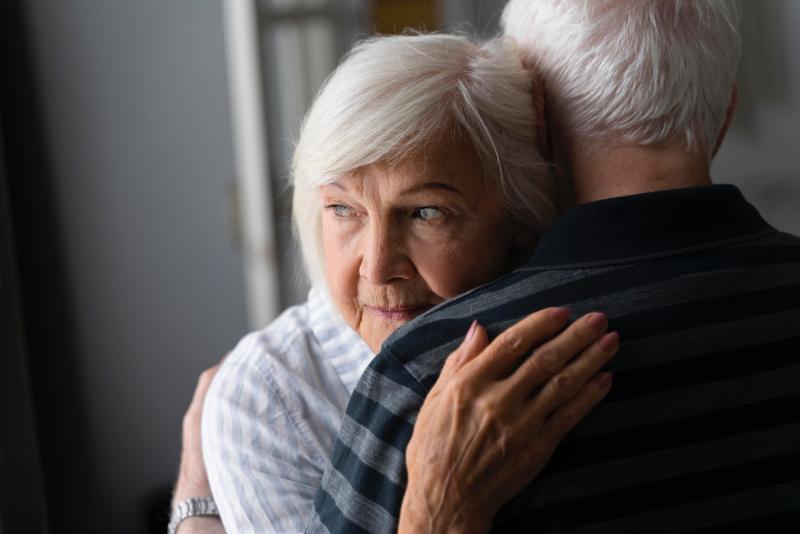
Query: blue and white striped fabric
(272,414)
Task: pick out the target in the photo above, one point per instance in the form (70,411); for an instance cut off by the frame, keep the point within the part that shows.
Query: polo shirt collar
(640,227)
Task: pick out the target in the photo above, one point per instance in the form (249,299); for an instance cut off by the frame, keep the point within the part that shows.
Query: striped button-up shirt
(272,413)
(701,431)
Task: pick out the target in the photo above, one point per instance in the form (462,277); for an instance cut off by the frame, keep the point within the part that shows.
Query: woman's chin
(377,329)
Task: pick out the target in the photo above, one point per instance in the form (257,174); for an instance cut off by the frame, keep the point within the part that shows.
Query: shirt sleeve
(362,490)
(260,468)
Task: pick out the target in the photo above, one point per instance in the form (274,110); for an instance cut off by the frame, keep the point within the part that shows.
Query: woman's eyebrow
(334,184)
(431,185)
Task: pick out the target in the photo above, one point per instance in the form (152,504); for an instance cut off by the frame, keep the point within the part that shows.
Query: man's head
(632,72)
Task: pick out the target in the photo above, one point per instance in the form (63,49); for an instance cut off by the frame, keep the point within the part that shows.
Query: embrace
(491,230)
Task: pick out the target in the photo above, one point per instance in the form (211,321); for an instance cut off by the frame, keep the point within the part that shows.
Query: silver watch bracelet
(193,507)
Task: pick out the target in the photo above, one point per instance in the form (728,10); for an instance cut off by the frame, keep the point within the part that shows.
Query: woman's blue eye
(429,214)
(340,210)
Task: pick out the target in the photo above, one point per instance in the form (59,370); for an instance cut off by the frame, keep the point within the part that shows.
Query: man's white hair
(633,71)
(392,97)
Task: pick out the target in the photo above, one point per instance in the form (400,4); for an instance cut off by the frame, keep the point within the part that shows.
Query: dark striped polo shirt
(701,431)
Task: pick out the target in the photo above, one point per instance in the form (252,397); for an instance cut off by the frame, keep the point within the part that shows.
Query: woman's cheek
(478,259)
(449,268)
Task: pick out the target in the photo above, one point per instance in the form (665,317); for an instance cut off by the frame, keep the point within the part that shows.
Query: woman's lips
(401,313)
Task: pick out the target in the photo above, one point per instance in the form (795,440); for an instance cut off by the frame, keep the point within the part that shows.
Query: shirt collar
(347,352)
(639,227)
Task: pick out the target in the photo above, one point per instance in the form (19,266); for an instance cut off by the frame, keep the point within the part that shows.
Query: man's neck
(632,170)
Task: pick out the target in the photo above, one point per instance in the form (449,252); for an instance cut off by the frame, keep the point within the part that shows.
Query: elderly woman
(415,179)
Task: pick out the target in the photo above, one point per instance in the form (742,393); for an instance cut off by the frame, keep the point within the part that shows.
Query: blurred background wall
(132,279)
(124,146)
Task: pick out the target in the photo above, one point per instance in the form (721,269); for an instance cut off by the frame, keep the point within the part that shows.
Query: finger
(567,416)
(570,381)
(474,342)
(551,357)
(504,353)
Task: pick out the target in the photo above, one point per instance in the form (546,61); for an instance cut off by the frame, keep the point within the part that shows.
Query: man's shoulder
(420,347)
(777,238)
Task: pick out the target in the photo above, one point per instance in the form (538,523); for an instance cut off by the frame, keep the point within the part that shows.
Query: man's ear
(544,142)
(729,113)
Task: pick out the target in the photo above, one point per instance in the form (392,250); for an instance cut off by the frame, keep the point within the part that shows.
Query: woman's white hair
(393,96)
(633,71)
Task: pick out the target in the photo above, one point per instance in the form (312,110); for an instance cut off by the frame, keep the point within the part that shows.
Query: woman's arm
(486,429)
(192,478)
(497,413)
(259,451)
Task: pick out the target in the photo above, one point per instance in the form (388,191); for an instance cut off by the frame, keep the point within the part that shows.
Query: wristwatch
(196,506)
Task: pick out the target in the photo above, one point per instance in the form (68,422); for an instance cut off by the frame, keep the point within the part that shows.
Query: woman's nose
(384,258)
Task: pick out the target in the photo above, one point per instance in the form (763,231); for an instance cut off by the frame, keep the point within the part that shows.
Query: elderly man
(701,431)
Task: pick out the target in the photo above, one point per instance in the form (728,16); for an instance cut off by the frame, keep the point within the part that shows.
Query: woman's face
(400,239)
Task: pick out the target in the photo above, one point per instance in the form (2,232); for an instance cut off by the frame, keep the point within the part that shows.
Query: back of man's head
(633,71)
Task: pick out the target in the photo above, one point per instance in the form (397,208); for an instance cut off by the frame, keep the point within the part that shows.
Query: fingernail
(471,332)
(598,321)
(560,315)
(604,380)
(609,341)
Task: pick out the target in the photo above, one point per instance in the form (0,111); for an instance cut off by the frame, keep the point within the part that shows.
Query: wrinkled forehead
(445,167)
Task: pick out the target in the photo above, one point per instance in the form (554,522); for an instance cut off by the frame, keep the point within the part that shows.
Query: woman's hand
(497,413)
(192,477)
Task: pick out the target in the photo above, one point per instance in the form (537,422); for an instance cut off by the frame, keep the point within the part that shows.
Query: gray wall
(760,154)
(135,106)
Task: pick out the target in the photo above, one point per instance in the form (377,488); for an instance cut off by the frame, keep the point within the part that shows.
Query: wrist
(189,485)
(417,515)
(194,507)
(200,525)
(183,492)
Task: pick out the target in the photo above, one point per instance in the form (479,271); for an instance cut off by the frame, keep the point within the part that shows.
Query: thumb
(474,342)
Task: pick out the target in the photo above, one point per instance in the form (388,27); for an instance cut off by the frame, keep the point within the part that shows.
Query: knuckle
(511,340)
(488,406)
(450,362)
(460,391)
(546,361)
(563,384)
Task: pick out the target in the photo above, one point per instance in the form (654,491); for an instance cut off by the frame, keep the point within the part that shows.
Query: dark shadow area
(22,507)
(49,334)
(155,505)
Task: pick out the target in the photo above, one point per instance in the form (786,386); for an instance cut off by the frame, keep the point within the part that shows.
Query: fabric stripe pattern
(272,413)
(701,431)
